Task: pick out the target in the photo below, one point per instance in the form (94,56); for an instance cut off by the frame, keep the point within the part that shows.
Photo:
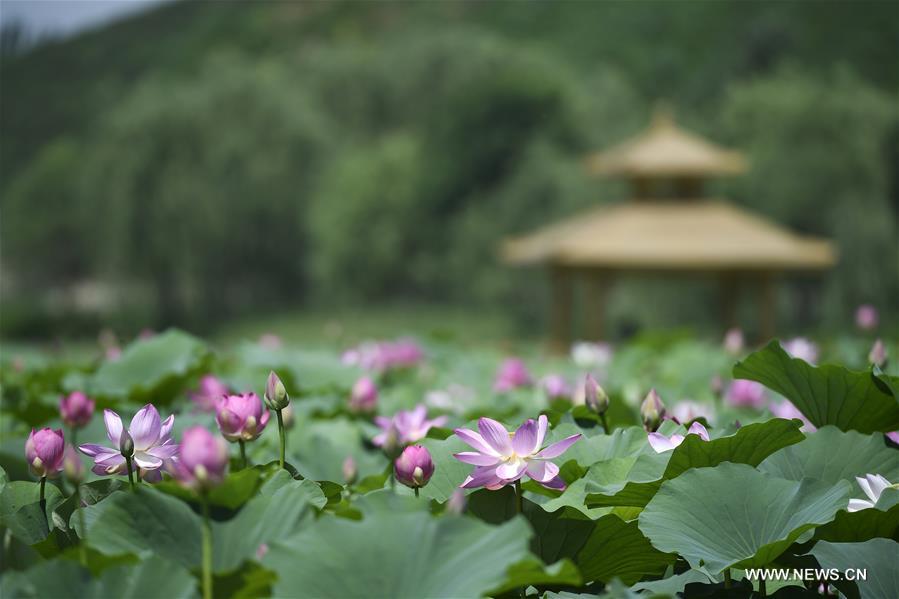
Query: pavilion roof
(666,150)
(667,235)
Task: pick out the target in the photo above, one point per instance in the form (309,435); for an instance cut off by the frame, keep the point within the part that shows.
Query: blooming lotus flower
(211,390)
(364,396)
(866,317)
(76,409)
(555,387)
(802,348)
(203,459)
(652,410)
(744,393)
(410,425)
(241,417)
(45,451)
(878,354)
(512,375)
(661,443)
(152,444)
(414,467)
(588,355)
(503,458)
(786,409)
(873,486)
(733,341)
(894,437)
(688,410)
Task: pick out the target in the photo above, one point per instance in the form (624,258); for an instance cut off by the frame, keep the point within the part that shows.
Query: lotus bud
(866,317)
(652,411)
(276,397)
(457,502)
(126,444)
(878,354)
(392,446)
(595,396)
(364,396)
(76,409)
(203,459)
(733,341)
(288,416)
(414,467)
(350,472)
(72,466)
(44,451)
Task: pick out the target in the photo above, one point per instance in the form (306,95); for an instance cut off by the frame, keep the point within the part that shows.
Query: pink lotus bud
(241,417)
(76,409)
(288,416)
(878,354)
(595,397)
(457,502)
(72,466)
(126,444)
(350,472)
(364,397)
(652,410)
(733,341)
(746,394)
(210,392)
(866,317)
(44,451)
(512,375)
(802,348)
(392,444)
(276,397)
(414,467)
(203,459)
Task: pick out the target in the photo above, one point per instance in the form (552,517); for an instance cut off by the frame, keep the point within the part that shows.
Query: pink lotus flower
(270,341)
(364,396)
(555,387)
(866,317)
(743,393)
(878,354)
(241,417)
(687,411)
(660,443)
(45,451)
(503,458)
(802,348)
(733,341)
(894,437)
(786,409)
(153,445)
(209,393)
(414,467)
(410,425)
(512,375)
(76,409)
(203,459)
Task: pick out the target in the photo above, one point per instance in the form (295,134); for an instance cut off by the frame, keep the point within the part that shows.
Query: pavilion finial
(662,115)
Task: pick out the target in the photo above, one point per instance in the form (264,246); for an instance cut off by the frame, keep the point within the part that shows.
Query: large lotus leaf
(317,449)
(878,557)
(151,369)
(732,515)
(531,571)
(617,549)
(750,445)
(622,443)
(20,510)
(848,399)
(398,555)
(449,472)
(62,579)
(882,520)
(831,455)
(308,371)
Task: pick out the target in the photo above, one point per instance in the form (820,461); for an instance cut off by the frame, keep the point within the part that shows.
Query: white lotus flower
(873,486)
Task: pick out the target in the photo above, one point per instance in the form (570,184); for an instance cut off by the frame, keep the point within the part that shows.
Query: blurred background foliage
(211,161)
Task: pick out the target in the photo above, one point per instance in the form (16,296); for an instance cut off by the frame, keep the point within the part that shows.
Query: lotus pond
(422,468)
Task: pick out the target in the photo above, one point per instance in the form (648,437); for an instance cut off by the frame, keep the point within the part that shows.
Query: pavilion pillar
(730,293)
(767,300)
(597,285)
(561,308)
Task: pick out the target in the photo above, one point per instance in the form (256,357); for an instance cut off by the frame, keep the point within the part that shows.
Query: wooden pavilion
(666,228)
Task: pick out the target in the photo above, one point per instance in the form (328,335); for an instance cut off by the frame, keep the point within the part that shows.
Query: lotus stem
(207,551)
(281,437)
(43,502)
(130,472)
(416,491)
(82,542)
(519,500)
(243,453)
(605,423)
(763,592)
(727,580)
